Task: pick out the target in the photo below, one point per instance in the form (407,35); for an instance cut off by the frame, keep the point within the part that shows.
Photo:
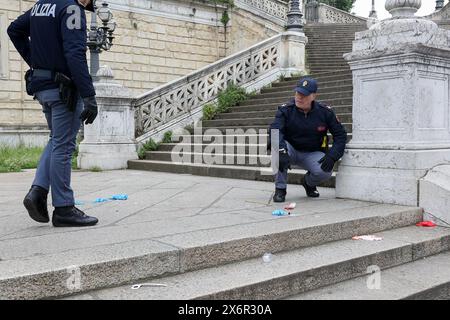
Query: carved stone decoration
(403,8)
(275,8)
(294,16)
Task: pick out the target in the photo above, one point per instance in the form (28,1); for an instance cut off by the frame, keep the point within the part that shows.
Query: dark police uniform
(51,37)
(304,136)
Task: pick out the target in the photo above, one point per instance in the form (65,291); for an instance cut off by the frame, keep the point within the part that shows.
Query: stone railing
(328,14)
(179,103)
(272,9)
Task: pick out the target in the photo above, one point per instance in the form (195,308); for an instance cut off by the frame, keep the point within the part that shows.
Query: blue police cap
(306,86)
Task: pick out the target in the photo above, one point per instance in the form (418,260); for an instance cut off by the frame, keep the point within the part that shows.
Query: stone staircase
(313,258)
(242,153)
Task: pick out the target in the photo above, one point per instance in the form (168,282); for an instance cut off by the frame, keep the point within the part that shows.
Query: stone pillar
(401,110)
(373,12)
(293,52)
(109,142)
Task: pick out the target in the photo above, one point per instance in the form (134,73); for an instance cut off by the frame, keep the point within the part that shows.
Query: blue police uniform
(304,136)
(51,37)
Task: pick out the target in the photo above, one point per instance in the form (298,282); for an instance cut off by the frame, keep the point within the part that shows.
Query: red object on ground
(426,224)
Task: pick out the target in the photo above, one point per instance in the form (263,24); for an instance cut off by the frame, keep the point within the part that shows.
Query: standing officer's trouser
(307,161)
(54,169)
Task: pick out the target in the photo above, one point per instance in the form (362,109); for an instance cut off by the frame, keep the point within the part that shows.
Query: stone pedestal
(294,52)
(401,109)
(109,142)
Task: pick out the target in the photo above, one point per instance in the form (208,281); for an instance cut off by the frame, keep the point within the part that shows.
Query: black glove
(90,110)
(284,161)
(327,163)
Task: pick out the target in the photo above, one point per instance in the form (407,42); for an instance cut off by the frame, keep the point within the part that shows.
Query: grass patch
(15,159)
(96,169)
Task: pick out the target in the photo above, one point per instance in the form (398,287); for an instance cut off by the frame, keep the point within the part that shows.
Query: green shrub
(231,96)
(209,111)
(167,137)
(150,145)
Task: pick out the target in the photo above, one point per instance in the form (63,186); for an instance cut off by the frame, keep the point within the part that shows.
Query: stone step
(186,243)
(215,154)
(319,70)
(426,279)
(344,117)
(291,272)
(231,136)
(269,107)
(325,48)
(253,173)
(248,123)
(330,87)
(324,57)
(344,97)
(283,93)
(235,148)
(335,77)
(187,158)
(328,63)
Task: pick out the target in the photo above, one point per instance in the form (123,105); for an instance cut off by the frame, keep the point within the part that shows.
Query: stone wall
(16,108)
(156,42)
(248,29)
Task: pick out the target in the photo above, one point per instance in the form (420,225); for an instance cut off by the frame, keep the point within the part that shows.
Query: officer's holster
(68,92)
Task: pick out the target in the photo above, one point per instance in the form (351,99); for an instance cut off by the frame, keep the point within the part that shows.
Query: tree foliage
(345,5)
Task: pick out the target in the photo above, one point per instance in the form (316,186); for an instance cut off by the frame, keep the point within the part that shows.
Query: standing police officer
(303,124)
(51,37)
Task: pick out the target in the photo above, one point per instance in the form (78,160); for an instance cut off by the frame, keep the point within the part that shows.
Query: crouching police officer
(51,38)
(303,124)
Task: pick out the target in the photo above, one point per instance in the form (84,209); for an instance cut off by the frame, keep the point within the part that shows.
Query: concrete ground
(164,212)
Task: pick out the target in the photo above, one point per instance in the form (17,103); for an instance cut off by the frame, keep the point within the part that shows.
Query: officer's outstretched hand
(327,163)
(284,161)
(90,110)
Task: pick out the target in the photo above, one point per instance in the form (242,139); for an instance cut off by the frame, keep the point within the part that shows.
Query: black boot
(71,217)
(310,191)
(36,204)
(280,195)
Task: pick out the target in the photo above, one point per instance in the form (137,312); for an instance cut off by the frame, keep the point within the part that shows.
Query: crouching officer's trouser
(54,169)
(308,161)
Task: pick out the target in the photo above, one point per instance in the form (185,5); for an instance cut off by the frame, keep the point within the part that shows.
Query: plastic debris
(119,197)
(367,237)
(139,285)
(100,200)
(290,206)
(79,203)
(426,224)
(267,257)
(279,212)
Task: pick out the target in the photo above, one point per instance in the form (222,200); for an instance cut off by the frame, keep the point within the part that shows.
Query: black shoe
(310,191)
(280,195)
(36,204)
(71,217)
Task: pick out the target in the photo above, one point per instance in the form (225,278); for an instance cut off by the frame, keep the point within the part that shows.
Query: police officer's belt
(41,73)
